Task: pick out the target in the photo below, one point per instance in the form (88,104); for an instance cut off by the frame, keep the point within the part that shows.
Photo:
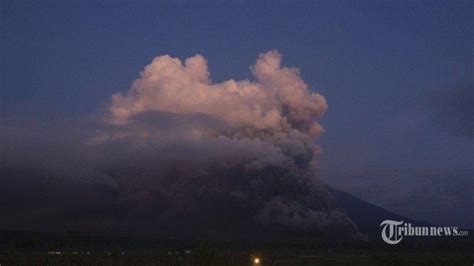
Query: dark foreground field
(235,259)
(76,248)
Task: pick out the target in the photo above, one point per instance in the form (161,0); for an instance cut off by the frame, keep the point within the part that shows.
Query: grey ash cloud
(178,156)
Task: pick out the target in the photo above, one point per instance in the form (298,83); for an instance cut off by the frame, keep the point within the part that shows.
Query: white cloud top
(278,101)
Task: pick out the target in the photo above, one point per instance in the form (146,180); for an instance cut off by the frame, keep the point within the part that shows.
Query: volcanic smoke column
(248,144)
(278,101)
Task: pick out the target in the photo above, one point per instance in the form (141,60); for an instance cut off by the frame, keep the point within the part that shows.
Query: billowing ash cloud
(179,155)
(279,101)
(272,119)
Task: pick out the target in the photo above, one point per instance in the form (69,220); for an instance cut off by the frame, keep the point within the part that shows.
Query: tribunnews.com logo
(394,231)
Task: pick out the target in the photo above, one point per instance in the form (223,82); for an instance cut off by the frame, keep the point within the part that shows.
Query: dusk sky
(396,77)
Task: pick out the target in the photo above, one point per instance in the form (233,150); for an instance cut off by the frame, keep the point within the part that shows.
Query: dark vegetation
(76,248)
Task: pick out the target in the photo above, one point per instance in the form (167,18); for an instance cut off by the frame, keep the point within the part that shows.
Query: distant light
(54,252)
(256,261)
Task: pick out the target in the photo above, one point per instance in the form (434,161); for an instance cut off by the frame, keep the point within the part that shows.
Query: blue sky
(378,64)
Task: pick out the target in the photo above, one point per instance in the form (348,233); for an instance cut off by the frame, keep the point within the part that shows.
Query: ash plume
(278,101)
(180,156)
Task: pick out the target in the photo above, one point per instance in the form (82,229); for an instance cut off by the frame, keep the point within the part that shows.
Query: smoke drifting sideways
(180,156)
(452,109)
